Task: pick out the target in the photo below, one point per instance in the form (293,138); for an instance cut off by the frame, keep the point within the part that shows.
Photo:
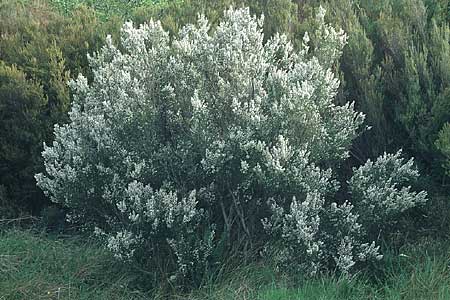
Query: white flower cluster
(181,142)
(380,189)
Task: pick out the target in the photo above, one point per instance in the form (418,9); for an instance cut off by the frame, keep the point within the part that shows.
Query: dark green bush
(22,105)
(39,51)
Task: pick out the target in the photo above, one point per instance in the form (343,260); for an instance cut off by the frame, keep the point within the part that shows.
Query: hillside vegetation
(218,149)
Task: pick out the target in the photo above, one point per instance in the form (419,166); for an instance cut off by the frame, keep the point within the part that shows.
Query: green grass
(39,266)
(35,266)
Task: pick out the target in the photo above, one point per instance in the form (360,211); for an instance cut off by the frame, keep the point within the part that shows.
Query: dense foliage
(39,50)
(23,100)
(395,66)
(443,144)
(180,143)
(374,70)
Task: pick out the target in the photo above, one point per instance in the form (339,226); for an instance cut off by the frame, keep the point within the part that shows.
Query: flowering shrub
(379,189)
(179,143)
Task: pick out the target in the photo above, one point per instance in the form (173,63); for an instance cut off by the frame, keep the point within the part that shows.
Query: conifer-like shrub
(443,144)
(215,137)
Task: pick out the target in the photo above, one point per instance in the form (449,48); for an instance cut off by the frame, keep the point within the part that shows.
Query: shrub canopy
(216,137)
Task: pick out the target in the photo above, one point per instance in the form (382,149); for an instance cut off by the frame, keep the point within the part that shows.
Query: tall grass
(35,265)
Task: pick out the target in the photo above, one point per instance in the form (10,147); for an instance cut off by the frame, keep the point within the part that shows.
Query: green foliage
(395,66)
(43,49)
(42,42)
(105,9)
(443,144)
(22,108)
(279,15)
